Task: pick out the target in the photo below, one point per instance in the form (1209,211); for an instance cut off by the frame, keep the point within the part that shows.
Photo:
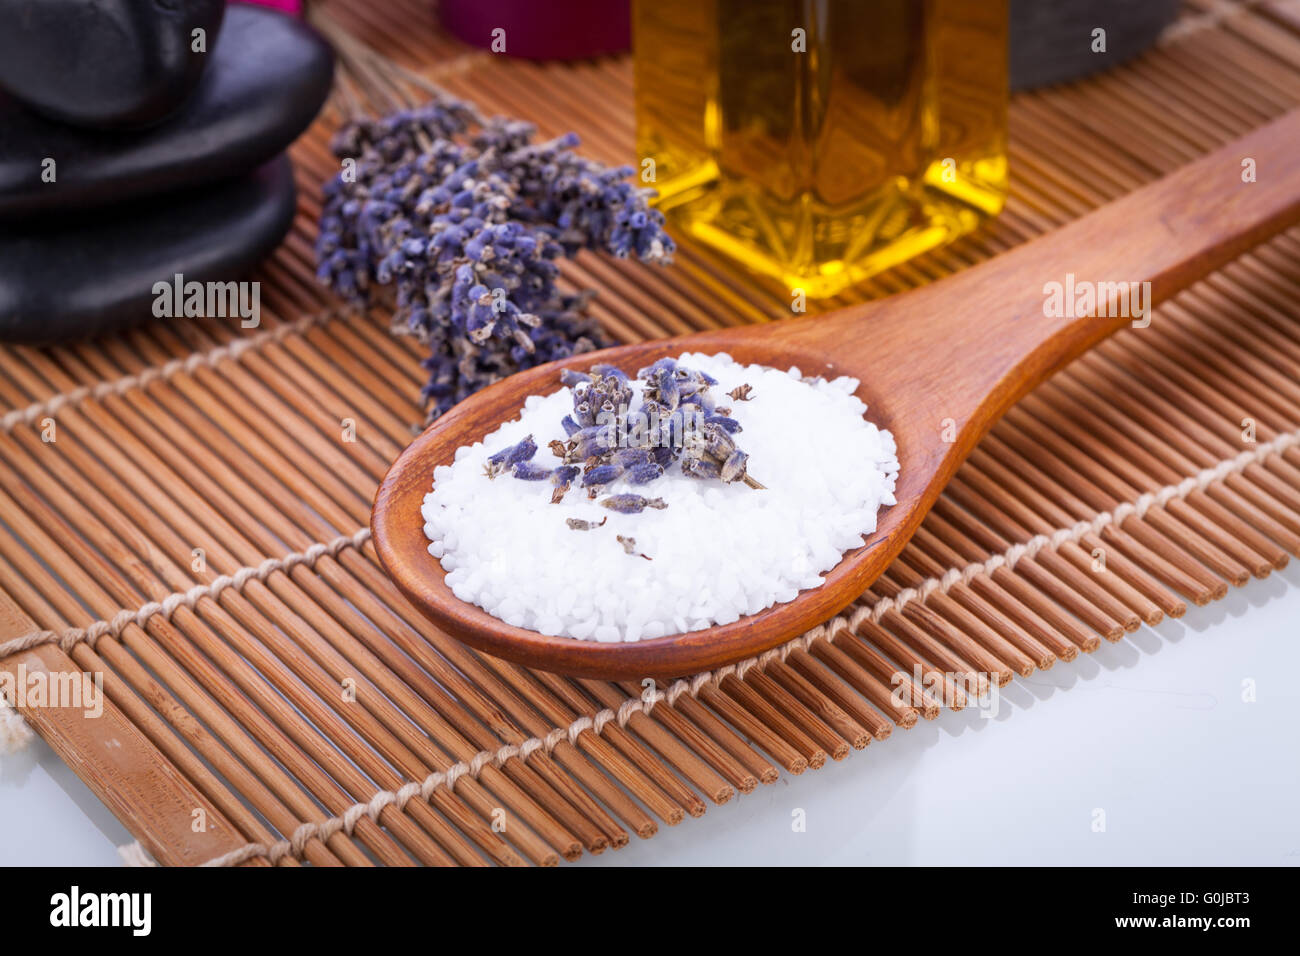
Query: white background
(1152,730)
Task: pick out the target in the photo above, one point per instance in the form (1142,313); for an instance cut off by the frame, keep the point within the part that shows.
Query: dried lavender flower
(733,469)
(677,422)
(593,440)
(631,457)
(632,504)
(506,458)
(600,475)
(562,478)
(725,422)
(644,473)
(530,471)
(629,546)
(716,441)
(468,235)
(702,468)
(741,393)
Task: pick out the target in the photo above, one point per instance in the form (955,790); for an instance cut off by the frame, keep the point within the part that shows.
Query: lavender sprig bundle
(467,229)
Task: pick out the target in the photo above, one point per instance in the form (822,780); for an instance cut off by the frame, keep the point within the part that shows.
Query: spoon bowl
(938,366)
(403,547)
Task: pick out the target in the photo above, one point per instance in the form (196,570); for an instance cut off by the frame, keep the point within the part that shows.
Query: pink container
(553,30)
(288,6)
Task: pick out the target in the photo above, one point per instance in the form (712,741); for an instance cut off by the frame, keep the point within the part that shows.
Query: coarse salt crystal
(716,552)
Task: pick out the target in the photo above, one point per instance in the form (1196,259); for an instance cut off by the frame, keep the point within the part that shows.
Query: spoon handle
(994,331)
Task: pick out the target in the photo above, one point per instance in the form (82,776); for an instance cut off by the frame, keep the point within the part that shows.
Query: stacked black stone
(139,140)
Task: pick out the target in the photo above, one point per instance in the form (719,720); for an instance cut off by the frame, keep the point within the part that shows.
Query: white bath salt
(715,553)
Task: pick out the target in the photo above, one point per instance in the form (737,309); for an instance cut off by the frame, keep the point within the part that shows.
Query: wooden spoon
(940,362)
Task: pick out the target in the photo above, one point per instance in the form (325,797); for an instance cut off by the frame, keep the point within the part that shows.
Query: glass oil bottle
(822,141)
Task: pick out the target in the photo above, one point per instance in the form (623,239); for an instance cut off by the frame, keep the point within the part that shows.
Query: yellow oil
(823,157)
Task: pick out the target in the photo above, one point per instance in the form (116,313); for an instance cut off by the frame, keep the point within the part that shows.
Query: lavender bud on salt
(701,468)
(508,457)
(594,440)
(664,364)
(730,425)
(717,442)
(631,457)
(741,393)
(611,372)
(644,473)
(632,504)
(562,478)
(601,475)
(629,546)
(733,469)
(530,471)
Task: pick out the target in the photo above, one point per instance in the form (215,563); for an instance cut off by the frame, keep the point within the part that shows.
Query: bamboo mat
(197,525)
